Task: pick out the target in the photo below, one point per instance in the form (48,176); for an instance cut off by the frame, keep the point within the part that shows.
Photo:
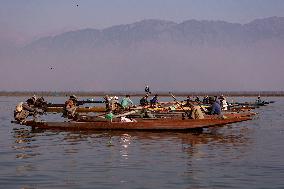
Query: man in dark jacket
(144,101)
(154,101)
(147,90)
(215,108)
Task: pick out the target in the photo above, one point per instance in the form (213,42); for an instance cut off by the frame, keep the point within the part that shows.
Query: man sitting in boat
(188,101)
(258,100)
(40,103)
(126,103)
(23,110)
(107,102)
(196,112)
(223,103)
(32,100)
(197,99)
(112,103)
(144,100)
(206,100)
(69,109)
(154,101)
(215,107)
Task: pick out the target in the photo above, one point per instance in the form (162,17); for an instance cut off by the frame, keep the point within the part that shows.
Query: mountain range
(190,33)
(187,56)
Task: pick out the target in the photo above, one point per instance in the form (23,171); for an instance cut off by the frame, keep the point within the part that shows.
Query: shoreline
(165,94)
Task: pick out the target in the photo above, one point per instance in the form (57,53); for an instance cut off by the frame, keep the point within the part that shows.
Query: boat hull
(160,124)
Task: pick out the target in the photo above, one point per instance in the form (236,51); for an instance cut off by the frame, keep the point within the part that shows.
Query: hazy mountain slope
(192,55)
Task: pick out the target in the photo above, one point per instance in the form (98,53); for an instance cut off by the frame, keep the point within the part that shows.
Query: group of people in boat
(215,106)
(28,108)
(152,103)
(113,104)
(195,110)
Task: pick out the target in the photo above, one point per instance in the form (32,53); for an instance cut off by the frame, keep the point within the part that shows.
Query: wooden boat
(253,104)
(59,109)
(140,124)
(79,109)
(179,115)
(103,109)
(241,108)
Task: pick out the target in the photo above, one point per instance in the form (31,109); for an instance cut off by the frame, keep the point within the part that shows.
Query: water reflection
(229,156)
(125,141)
(23,143)
(107,152)
(25,139)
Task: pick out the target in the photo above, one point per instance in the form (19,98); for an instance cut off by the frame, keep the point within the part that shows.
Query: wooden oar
(119,115)
(186,112)
(125,114)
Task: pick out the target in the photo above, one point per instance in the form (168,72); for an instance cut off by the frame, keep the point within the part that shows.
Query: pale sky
(23,21)
(28,19)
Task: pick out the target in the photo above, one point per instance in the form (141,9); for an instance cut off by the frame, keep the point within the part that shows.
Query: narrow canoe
(79,109)
(141,124)
(103,109)
(178,115)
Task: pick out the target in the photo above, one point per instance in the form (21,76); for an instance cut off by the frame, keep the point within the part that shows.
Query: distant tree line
(119,93)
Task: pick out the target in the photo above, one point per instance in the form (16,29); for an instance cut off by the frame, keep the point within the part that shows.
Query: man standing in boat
(147,90)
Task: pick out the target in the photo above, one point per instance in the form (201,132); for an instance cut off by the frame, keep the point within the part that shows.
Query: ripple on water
(242,155)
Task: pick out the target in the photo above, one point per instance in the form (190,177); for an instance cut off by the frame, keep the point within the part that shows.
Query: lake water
(241,155)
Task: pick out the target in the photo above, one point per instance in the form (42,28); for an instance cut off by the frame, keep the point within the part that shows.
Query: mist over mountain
(189,56)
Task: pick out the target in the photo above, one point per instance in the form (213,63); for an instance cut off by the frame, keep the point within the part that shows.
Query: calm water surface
(240,155)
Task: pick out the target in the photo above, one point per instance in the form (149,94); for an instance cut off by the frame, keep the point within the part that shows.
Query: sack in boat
(124,119)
